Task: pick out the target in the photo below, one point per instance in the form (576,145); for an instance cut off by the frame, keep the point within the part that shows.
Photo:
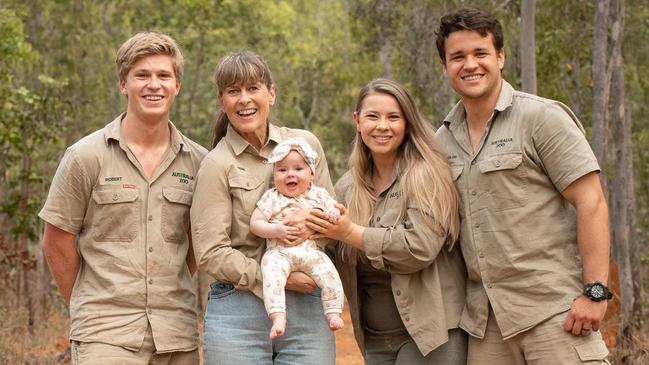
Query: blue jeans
(237,330)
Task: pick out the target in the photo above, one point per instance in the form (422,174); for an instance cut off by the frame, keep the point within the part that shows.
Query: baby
(293,169)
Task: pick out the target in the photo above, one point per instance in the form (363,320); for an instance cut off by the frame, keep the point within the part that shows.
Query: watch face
(597,291)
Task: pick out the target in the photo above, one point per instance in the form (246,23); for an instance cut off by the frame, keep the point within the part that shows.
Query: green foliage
(29,120)
(321,53)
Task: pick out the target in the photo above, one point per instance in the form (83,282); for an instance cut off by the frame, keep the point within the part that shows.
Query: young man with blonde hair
(117,222)
(534,229)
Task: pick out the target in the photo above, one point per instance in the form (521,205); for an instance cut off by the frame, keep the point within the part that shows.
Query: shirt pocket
(456,170)
(594,350)
(505,181)
(246,190)
(116,214)
(175,214)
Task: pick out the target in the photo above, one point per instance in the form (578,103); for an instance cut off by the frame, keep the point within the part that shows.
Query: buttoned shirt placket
(148,217)
(473,192)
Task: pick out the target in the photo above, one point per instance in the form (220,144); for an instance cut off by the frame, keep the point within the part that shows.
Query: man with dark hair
(535,234)
(117,222)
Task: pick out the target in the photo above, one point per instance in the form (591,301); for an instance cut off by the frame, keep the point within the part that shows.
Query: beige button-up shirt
(428,280)
(132,237)
(518,237)
(232,178)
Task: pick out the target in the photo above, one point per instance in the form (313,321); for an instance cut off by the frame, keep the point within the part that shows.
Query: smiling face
(381,124)
(472,65)
(292,176)
(151,87)
(247,106)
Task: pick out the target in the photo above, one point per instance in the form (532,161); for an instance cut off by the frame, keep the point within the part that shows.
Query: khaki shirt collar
(239,144)
(114,131)
(456,116)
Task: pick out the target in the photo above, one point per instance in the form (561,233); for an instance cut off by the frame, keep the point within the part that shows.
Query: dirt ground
(347,352)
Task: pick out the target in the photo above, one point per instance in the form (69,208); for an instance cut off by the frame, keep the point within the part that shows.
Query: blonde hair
(426,179)
(238,67)
(146,44)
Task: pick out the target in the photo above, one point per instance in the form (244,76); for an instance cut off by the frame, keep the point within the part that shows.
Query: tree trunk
(25,243)
(601,86)
(622,193)
(528,47)
(384,9)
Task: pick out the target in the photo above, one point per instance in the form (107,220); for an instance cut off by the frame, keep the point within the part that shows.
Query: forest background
(58,83)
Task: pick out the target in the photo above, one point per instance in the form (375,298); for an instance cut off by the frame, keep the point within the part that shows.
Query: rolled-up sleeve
(403,248)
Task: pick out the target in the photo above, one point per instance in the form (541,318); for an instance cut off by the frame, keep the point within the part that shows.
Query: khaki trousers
(97,353)
(545,343)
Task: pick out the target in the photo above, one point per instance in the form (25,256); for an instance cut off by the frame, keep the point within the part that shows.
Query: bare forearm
(264,229)
(593,238)
(354,236)
(62,258)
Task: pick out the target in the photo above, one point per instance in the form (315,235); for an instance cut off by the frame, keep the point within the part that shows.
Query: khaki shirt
(518,237)
(132,237)
(428,280)
(231,179)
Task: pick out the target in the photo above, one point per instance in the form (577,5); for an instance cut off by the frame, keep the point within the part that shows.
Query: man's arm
(62,258)
(593,239)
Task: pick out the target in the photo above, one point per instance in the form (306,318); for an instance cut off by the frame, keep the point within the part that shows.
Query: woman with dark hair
(230,181)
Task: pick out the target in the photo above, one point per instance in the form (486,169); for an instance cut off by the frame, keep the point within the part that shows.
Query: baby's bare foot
(279,325)
(335,321)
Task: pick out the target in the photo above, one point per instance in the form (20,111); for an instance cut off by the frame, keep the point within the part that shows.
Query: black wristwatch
(597,292)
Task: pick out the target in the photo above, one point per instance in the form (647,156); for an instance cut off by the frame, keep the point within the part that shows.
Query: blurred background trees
(58,83)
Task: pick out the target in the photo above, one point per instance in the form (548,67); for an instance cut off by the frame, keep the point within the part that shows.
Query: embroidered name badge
(395,195)
(113,179)
(128,186)
(183,178)
(502,142)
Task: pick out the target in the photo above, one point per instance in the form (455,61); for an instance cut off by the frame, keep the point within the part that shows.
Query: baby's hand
(285,233)
(332,215)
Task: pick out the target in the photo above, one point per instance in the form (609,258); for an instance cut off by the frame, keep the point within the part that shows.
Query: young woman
(403,277)
(231,179)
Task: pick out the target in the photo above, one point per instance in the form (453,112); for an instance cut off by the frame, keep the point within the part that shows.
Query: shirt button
(378,219)
(115,197)
(150,218)
(150,249)
(398,292)
(473,192)
(497,163)
(477,225)
(150,281)
(489,285)
(407,319)
(150,311)
(481,255)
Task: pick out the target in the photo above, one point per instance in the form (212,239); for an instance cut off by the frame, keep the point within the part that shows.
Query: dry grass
(48,345)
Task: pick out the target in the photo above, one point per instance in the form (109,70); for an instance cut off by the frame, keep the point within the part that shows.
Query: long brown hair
(237,67)
(425,176)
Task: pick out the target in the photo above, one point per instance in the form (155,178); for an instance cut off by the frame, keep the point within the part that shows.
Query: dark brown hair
(238,67)
(473,19)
